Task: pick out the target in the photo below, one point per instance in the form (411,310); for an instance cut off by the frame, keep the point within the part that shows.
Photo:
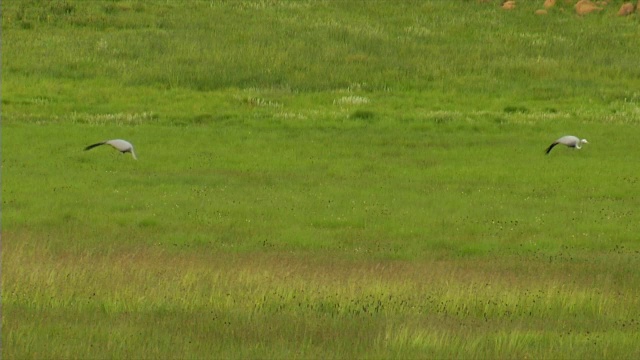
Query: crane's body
(570,141)
(121,145)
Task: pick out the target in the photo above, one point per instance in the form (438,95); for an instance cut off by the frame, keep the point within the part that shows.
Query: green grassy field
(319,179)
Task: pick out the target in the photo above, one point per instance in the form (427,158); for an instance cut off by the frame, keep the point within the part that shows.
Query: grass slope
(318,179)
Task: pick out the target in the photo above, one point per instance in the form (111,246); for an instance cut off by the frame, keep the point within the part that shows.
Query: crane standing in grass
(570,141)
(121,145)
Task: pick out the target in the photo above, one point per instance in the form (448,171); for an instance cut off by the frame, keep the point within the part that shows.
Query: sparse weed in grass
(118,119)
(516,109)
(362,115)
(351,100)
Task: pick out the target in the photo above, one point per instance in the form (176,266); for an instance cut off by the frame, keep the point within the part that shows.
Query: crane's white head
(579,144)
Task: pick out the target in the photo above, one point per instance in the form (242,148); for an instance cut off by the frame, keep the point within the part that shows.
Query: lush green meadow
(319,179)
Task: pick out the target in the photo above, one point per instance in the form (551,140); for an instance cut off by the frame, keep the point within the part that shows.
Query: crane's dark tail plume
(94,145)
(551,147)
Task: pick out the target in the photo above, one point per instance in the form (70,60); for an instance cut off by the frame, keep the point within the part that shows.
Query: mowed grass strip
(470,186)
(263,240)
